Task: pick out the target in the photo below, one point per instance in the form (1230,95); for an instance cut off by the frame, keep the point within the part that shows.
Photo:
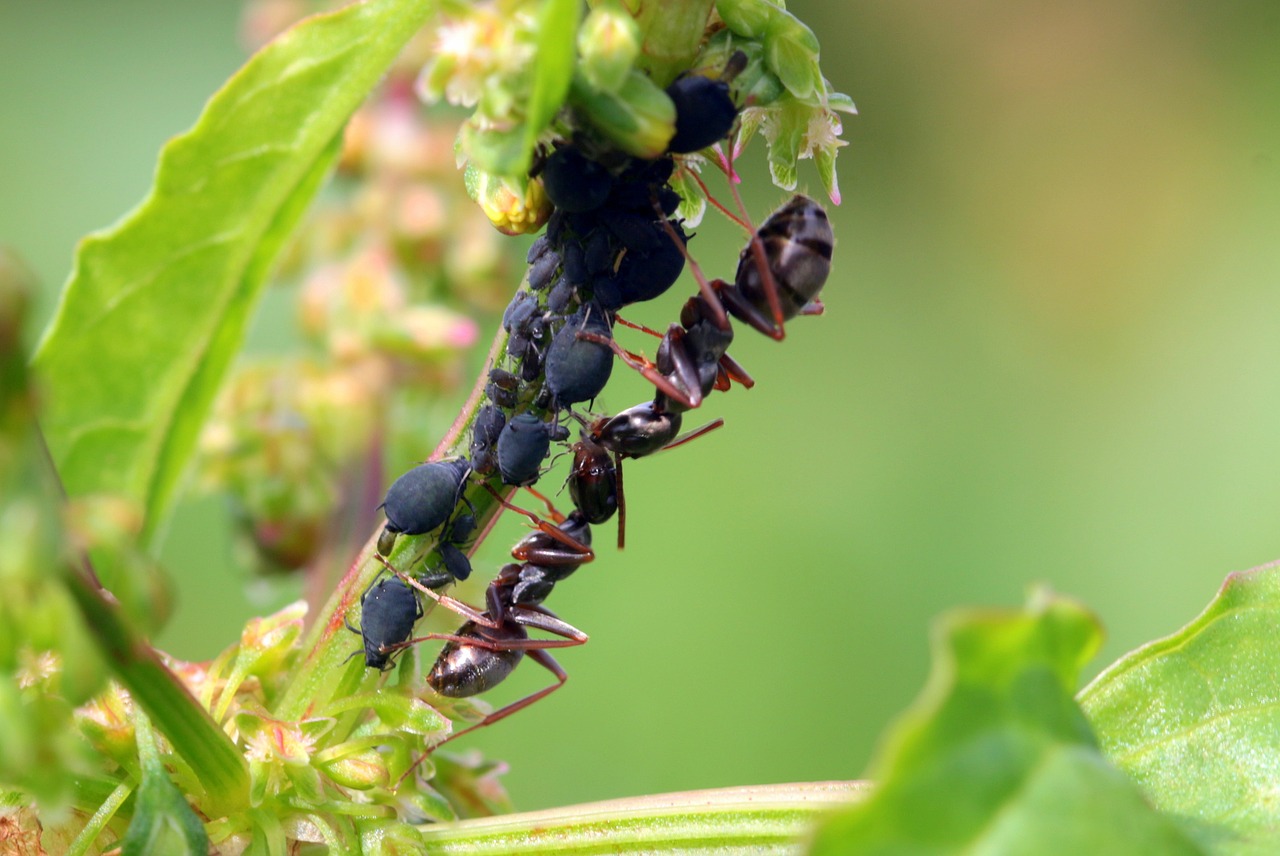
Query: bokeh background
(1051,355)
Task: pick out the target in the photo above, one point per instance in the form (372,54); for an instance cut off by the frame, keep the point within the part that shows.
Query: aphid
(542,270)
(578,368)
(705,111)
(516,317)
(562,295)
(422,499)
(575,183)
(456,534)
(388,611)
(485,432)
(522,446)
(644,275)
(503,388)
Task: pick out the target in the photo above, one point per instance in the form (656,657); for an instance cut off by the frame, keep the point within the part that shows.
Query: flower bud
(639,118)
(608,45)
(359,770)
(515,206)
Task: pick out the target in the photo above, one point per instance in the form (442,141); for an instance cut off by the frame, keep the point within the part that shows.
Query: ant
(595,478)
(493,641)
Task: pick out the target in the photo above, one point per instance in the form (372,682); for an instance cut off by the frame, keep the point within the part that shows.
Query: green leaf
(996,758)
(553,69)
(157,305)
(1195,717)
(162,820)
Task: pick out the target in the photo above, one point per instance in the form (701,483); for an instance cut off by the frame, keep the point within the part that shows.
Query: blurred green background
(1051,354)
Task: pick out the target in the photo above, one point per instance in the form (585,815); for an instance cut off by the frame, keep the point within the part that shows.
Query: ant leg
(735,372)
(552,511)
(634,326)
(718,316)
(741,309)
(727,167)
(495,645)
(542,658)
(533,617)
(694,434)
(542,525)
(770,285)
(466,610)
(775,330)
(648,371)
(622,504)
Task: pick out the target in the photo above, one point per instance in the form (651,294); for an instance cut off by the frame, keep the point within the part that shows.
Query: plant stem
(729,820)
(315,679)
(93,828)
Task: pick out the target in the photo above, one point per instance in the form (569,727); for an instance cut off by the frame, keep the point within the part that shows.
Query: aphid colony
(611,242)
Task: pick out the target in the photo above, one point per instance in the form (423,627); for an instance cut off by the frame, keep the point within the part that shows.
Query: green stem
(317,678)
(93,828)
(730,820)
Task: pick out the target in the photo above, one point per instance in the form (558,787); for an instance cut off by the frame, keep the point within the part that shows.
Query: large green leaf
(157,305)
(1195,717)
(996,758)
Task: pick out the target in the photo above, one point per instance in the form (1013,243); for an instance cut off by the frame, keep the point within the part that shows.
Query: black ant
(491,643)
(595,478)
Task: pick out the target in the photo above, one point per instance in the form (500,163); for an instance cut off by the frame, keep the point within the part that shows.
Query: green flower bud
(359,770)
(639,118)
(389,838)
(750,18)
(608,45)
(425,804)
(107,722)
